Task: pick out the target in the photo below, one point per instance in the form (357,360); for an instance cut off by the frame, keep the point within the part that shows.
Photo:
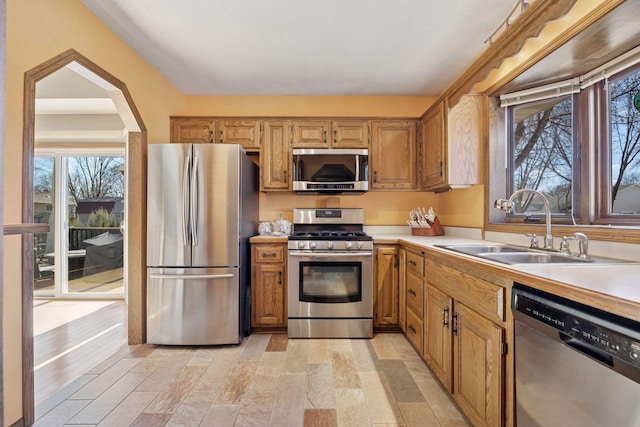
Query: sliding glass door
(81,196)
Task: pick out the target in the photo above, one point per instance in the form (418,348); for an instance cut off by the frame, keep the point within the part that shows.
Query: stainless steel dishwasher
(575,365)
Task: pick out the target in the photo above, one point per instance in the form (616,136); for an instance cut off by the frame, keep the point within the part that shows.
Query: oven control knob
(301,244)
(331,245)
(349,245)
(312,245)
(360,245)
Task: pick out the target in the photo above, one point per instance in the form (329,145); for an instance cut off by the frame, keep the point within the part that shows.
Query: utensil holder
(435,230)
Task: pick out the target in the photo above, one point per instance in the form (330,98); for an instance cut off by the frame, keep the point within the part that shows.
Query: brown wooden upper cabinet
(274,156)
(450,144)
(432,148)
(330,134)
(392,158)
(243,132)
(193,130)
(350,134)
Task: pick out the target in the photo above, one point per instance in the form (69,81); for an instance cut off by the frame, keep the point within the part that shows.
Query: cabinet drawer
(414,330)
(415,263)
(485,294)
(269,253)
(415,289)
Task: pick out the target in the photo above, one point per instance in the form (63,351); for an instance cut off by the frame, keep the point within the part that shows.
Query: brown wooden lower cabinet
(477,366)
(385,292)
(462,338)
(268,287)
(437,335)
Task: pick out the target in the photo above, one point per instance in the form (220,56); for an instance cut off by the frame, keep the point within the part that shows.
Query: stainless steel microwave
(330,171)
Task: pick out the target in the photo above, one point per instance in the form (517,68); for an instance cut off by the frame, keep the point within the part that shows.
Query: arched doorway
(135,208)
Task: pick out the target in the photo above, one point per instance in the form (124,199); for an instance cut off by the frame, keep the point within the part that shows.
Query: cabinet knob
(412,292)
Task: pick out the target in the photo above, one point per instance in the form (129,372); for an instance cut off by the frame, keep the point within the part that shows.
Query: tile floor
(268,380)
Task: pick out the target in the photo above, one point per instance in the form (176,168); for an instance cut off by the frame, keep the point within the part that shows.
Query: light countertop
(620,281)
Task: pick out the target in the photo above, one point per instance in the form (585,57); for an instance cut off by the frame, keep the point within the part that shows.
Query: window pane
(542,154)
(44,243)
(625,145)
(95,255)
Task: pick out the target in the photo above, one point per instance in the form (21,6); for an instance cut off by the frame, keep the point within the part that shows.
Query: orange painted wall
(38,30)
(269,106)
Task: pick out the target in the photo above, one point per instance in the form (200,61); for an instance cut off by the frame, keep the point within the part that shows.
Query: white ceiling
(73,105)
(306,47)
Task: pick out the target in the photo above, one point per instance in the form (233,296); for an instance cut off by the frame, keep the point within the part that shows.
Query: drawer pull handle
(412,329)
(412,292)
(271,255)
(280,278)
(454,329)
(445,317)
(413,263)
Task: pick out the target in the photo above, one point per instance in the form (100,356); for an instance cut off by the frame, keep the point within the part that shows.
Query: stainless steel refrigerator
(202,208)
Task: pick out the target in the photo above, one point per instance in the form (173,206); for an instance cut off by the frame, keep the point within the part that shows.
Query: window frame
(576,216)
(602,119)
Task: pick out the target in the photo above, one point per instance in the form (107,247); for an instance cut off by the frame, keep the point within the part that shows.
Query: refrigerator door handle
(185,201)
(195,202)
(191,276)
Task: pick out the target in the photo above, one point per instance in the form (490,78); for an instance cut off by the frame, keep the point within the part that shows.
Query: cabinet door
(310,134)
(402,289)
(478,366)
(243,132)
(193,130)
(386,288)
(437,335)
(433,149)
(350,134)
(393,155)
(268,295)
(274,156)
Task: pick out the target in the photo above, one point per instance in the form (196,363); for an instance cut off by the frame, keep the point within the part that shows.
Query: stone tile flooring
(268,380)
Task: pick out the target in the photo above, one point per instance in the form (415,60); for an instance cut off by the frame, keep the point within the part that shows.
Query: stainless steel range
(330,275)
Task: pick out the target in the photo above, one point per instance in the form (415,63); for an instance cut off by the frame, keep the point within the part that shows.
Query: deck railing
(78,234)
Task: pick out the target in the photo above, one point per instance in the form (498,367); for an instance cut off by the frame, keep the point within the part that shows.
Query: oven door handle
(330,254)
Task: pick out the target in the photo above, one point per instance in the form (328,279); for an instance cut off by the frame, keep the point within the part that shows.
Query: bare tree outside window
(543,154)
(625,144)
(95,177)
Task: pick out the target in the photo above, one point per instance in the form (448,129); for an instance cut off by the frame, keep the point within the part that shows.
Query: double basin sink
(518,255)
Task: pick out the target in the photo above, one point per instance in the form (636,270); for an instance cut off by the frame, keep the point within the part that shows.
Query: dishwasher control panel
(579,324)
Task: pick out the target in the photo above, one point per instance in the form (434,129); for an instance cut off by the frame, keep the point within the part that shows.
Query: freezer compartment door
(168,185)
(193,306)
(215,206)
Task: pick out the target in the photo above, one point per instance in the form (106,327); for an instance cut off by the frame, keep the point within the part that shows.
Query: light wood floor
(71,337)
(268,380)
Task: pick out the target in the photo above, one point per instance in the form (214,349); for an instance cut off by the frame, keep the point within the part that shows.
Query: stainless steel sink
(534,258)
(481,249)
(515,255)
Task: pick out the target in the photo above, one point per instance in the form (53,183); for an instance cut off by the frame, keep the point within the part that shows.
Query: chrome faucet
(507,206)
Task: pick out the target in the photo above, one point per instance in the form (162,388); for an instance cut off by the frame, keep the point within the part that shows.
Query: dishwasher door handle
(586,349)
